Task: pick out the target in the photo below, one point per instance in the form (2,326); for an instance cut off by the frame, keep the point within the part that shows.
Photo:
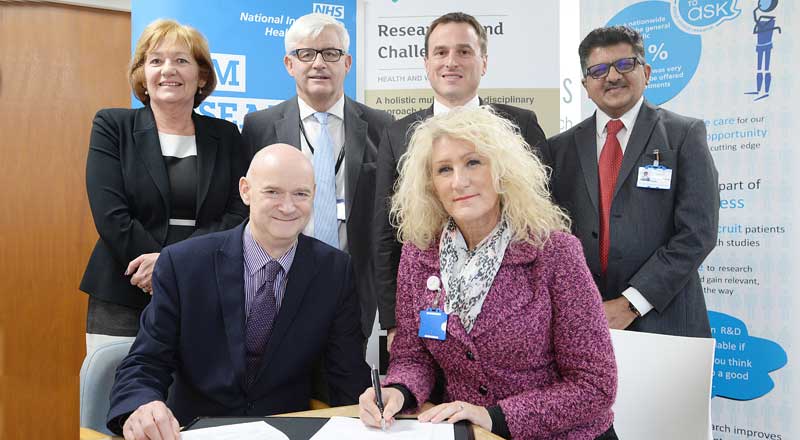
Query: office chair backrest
(664,388)
(97,377)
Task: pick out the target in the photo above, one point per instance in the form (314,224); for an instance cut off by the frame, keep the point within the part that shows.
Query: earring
(200,91)
(145,91)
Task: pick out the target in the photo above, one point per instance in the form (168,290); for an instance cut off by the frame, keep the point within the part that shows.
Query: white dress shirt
(336,130)
(440,109)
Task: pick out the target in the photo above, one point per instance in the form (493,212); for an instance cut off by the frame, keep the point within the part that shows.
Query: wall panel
(58,65)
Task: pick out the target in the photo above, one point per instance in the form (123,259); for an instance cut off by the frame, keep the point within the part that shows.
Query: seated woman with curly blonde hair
(521,336)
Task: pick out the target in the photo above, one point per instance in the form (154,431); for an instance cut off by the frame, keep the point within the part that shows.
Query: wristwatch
(634,310)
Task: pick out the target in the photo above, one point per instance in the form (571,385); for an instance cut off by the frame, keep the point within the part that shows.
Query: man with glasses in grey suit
(339,135)
(644,238)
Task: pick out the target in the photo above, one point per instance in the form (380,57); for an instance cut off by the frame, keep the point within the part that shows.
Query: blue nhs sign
(231,72)
(335,11)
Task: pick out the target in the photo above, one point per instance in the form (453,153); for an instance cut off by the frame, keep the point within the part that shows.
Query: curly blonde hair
(520,179)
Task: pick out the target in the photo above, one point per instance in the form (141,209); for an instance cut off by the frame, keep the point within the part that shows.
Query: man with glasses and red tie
(644,238)
(340,137)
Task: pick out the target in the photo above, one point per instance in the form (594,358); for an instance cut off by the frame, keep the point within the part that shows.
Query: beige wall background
(59,64)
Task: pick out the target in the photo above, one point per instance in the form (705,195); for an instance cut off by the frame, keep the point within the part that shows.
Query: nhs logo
(335,11)
(231,72)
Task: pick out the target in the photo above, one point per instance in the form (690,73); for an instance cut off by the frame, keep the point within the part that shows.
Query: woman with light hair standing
(155,175)
(492,290)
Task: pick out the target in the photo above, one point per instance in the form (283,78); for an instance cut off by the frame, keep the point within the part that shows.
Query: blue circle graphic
(672,53)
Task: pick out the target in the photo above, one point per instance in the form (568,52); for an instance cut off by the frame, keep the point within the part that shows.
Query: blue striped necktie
(326,226)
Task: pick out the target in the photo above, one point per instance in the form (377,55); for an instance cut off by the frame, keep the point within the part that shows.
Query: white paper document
(239,431)
(339,428)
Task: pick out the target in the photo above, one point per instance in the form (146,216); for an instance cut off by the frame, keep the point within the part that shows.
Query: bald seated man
(241,316)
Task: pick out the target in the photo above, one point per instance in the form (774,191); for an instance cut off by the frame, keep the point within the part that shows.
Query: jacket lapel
(303,270)
(355,143)
(145,136)
(207,145)
(586,149)
(645,122)
(500,305)
(229,268)
(288,129)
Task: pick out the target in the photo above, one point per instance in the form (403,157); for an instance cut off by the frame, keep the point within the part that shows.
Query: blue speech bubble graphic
(701,15)
(742,362)
(672,53)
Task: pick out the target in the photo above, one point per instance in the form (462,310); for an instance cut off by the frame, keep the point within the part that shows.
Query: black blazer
(394,143)
(362,130)
(129,193)
(195,328)
(658,237)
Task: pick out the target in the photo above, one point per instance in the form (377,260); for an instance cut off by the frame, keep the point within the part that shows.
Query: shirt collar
(440,109)
(255,257)
(628,119)
(336,109)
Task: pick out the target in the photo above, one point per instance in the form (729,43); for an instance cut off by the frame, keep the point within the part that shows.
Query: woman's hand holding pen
(368,410)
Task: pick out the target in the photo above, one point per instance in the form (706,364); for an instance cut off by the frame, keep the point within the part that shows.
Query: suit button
(470,356)
(483,390)
(594,234)
(250,406)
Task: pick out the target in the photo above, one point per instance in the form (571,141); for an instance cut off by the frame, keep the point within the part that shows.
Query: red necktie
(608,170)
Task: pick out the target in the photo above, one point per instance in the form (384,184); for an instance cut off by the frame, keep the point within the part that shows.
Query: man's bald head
(280,154)
(279,189)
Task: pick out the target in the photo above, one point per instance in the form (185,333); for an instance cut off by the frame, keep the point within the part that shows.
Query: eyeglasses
(308,55)
(623,65)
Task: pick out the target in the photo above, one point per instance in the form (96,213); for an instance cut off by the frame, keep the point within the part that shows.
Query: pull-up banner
(733,64)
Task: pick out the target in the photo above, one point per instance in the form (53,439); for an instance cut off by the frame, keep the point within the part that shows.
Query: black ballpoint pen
(376,385)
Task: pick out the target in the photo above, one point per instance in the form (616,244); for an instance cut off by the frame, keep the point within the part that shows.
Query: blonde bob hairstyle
(520,179)
(170,30)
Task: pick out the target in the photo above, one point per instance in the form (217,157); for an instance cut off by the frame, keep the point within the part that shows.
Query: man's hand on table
(152,421)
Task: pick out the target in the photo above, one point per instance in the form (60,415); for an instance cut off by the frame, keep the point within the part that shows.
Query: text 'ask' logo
(335,11)
(231,72)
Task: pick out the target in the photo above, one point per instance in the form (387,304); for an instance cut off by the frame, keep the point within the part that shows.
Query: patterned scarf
(468,275)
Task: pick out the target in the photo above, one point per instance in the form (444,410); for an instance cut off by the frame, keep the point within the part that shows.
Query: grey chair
(97,377)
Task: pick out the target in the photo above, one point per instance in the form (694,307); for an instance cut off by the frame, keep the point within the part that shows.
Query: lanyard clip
(657,156)
(434,284)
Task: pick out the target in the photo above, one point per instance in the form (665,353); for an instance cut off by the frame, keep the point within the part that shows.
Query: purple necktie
(260,320)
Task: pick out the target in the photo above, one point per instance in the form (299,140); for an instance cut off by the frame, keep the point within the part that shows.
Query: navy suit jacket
(658,237)
(194,327)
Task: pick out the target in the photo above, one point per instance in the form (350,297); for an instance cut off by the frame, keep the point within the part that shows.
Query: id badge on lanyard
(655,176)
(433,320)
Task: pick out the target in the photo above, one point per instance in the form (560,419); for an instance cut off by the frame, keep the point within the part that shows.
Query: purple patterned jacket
(540,347)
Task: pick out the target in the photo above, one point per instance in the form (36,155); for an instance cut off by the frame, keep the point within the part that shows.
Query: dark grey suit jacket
(658,237)
(362,129)
(393,145)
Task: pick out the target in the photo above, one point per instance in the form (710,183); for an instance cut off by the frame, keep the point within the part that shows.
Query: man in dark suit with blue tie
(240,317)
(339,135)
(643,239)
